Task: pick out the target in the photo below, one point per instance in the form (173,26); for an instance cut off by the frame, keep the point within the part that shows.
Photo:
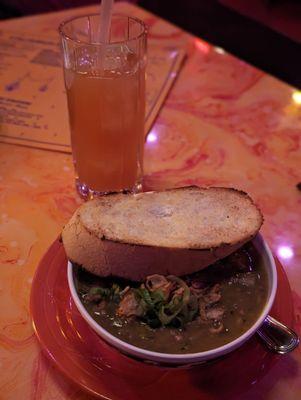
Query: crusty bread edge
(105,258)
(212,248)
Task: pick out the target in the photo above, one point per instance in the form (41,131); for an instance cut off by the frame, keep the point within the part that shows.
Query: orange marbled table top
(224,123)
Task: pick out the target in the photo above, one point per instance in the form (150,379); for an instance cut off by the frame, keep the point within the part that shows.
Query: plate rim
(56,250)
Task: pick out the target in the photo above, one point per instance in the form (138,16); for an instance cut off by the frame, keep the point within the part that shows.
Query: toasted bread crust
(102,245)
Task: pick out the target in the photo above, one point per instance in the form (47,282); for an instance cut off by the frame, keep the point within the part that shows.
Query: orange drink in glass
(105,85)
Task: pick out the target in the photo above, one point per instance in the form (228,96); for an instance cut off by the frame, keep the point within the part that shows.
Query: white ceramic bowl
(189,358)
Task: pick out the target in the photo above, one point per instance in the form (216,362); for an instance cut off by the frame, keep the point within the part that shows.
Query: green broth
(243,286)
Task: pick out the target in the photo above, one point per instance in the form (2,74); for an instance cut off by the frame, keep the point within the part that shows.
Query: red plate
(100,369)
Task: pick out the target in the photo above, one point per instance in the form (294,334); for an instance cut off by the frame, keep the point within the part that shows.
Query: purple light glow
(173,54)
(152,137)
(285,252)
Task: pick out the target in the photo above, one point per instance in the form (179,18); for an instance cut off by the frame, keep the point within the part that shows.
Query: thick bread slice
(177,231)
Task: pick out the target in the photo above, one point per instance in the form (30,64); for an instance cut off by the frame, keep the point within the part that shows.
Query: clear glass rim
(137,37)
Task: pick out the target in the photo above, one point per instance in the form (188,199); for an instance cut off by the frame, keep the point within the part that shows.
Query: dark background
(252,40)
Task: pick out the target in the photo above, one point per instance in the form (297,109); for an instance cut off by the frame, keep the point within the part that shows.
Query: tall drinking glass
(105,85)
